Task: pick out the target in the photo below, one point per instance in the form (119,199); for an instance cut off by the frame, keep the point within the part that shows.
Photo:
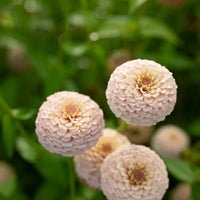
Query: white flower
(134,172)
(141,92)
(182,191)
(170,140)
(69,123)
(88,164)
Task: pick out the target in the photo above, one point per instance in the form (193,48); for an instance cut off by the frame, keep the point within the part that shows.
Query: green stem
(84,6)
(71,178)
(5,106)
(65,9)
(22,129)
(122,126)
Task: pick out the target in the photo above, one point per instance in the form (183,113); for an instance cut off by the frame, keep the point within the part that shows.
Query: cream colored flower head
(182,191)
(170,140)
(134,172)
(141,92)
(69,123)
(88,164)
(138,134)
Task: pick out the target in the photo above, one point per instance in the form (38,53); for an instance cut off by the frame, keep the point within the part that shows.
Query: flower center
(105,146)
(70,110)
(106,149)
(174,138)
(137,174)
(145,81)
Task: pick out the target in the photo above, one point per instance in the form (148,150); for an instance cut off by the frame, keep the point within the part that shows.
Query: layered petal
(141,92)
(69,123)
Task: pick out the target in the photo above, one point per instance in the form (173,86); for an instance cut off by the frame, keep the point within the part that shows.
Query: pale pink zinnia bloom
(182,191)
(88,164)
(141,92)
(170,140)
(69,123)
(134,172)
(138,134)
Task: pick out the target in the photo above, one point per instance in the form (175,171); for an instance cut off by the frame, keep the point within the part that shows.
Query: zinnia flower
(138,134)
(141,92)
(69,123)
(170,140)
(182,191)
(134,172)
(6,172)
(17,59)
(89,163)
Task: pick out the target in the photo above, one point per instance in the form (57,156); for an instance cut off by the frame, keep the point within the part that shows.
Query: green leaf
(26,150)
(8,187)
(23,114)
(116,26)
(77,19)
(8,133)
(49,191)
(195,191)
(20,196)
(155,29)
(136,4)
(75,49)
(4,4)
(180,169)
(51,168)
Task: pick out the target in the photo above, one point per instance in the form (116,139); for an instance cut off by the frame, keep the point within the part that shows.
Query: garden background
(50,46)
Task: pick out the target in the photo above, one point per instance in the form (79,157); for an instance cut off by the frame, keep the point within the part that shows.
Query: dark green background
(67,46)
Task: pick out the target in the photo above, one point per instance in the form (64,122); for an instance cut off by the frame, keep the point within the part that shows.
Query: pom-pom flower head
(141,92)
(88,164)
(170,140)
(138,134)
(69,123)
(134,172)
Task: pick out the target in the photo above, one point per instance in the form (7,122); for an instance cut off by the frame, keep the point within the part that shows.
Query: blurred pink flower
(141,92)
(88,164)
(170,140)
(6,172)
(134,172)
(69,123)
(182,191)
(138,134)
(17,59)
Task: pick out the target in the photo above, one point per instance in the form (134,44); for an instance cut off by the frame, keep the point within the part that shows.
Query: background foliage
(49,46)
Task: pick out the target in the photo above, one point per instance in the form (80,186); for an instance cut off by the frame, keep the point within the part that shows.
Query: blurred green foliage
(49,46)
